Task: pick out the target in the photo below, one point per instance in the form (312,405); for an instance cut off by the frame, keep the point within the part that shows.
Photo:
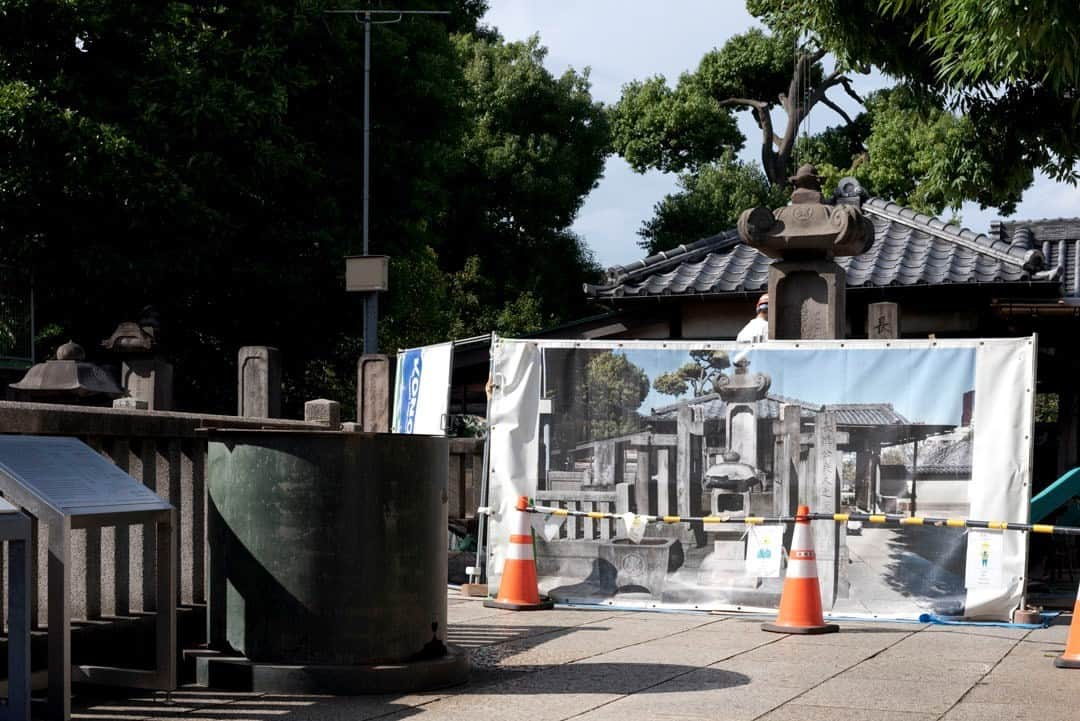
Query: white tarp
(931,428)
(422,389)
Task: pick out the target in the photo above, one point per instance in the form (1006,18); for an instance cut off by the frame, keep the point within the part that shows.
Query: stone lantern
(806,286)
(144,374)
(67,379)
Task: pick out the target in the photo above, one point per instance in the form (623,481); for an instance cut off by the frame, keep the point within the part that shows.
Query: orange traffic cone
(800,601)
(517,589)
(1071,657)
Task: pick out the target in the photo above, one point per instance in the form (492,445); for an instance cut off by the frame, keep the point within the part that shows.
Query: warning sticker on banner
(764,547)
(985,553)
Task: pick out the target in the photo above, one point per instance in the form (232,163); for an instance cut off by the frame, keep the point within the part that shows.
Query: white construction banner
(684,430)
(422,389)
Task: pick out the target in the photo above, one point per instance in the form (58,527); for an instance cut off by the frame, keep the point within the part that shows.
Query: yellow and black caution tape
(745,520)
(875,518)
(897,519)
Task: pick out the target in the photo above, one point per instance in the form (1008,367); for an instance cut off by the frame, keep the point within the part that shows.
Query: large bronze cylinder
(327,548)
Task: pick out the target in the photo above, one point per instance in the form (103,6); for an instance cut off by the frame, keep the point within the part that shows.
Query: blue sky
(924,385)
(624,40)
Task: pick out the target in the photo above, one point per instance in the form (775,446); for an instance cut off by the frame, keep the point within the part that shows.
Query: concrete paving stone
(954,646)
(970,711)
(1026,660)
(702,650)
(474,635)
(469,612)
(930,668)
(808,653)
(783,673)
(1059,689)
(731,624)
(556,617)
(616,678)
(795,711)
(342,708)
(696,696)
(533,707)
(991,631)
(887,695)
(1058,632)
(867,637)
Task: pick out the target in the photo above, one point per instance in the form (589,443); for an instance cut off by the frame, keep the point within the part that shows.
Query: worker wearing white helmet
(757,329)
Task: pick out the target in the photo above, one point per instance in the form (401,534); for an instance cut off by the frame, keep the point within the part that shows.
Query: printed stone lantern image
(806,286)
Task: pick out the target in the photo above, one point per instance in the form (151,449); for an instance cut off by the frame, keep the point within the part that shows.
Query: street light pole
(371,299)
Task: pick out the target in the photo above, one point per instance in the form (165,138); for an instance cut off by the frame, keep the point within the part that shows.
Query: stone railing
(113,568)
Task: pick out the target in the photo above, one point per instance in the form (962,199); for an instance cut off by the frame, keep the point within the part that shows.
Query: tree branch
(846,82)
(759,105)
(840,111)
(761,110)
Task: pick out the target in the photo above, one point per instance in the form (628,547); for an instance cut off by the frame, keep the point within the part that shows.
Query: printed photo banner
(422,389)
(674,428)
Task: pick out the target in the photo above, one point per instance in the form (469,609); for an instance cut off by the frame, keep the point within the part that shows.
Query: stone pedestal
(149,380)
(323,411)
(259,382)
(807,300)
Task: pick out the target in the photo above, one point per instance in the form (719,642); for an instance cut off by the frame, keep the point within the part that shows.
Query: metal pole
(371,300)
(367,124)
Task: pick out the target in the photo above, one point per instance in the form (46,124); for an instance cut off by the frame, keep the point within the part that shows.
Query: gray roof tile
(909,248)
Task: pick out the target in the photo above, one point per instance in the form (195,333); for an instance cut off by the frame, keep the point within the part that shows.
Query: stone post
(259,382)
(883,321)
(374,393)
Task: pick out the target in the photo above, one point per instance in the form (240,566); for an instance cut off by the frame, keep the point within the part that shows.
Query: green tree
(702,375)
(610,393)
(205,158)
(1010,68)
(916,154)
(684,128)
(708,201)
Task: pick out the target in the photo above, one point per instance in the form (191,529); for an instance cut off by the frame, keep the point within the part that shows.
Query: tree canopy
(205,158)
(1010,68)
(987,93)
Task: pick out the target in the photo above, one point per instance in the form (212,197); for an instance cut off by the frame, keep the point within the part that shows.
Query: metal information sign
(65,484)
(72,477)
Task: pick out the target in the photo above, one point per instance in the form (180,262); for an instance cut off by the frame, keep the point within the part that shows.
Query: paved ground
(620,666)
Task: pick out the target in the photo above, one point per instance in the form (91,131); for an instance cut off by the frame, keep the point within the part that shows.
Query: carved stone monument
(144,374)
(806,287)
(806,290)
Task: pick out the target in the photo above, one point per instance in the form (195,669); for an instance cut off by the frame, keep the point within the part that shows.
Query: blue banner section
(409,389)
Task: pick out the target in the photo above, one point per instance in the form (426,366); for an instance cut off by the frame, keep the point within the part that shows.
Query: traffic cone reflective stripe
(800,600)
(1071,657)
(518,587)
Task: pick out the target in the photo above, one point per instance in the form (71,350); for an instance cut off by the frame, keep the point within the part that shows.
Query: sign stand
(67,485)
(15,529)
